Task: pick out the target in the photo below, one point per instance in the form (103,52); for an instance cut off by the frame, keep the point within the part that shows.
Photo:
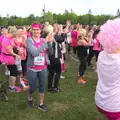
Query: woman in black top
(83,44)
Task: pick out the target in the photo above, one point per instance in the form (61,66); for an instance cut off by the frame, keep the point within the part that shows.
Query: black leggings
(82,55)
(69,48)
(96,53)
(24,67)
(75,50)
(90,56)
(54,69)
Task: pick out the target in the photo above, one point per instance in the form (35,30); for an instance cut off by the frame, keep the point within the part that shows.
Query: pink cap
(36,25)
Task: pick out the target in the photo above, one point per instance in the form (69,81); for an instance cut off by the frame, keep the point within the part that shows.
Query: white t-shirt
(18,64)
(107,95)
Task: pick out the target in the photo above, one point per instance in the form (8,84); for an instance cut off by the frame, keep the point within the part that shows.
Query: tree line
(86,19)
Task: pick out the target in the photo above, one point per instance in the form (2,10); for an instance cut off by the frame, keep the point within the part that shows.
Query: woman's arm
(32,49)
(10,50)
(50,49)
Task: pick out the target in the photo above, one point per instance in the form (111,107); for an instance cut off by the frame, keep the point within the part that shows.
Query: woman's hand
(18,57)
(48,37)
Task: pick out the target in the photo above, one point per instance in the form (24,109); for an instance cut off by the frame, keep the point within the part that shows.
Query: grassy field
(75,102)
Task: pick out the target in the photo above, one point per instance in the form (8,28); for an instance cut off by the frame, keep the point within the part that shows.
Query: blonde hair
(12,30)
(82,34)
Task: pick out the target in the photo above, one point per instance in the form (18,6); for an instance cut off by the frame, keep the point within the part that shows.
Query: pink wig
(109,35)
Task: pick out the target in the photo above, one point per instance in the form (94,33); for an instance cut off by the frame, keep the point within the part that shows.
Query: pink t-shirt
(21,46)
(6,42)
(1,38)
(96,44)
(39,61)
(5,56)
(74,35)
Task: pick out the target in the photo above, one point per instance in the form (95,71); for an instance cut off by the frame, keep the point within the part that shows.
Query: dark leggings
(75,50)
(82,55)
(90,56)
(96,53)
(54,69)
(24,67)
(33,76)
(69,48)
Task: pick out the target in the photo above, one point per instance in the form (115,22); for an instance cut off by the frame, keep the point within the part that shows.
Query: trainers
(62,77)
(50,90)
(15,89)
(57,90)
(82,81)
(11,89)
(43,108)
(30,103)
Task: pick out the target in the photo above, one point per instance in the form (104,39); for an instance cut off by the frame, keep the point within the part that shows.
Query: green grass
(75,102)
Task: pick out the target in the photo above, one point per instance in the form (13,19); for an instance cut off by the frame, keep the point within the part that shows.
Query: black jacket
(57,47)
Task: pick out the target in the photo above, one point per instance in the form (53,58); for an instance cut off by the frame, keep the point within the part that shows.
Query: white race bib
(39,60)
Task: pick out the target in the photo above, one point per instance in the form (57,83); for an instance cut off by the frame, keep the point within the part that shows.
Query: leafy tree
(56,18)
(4,22)
(48,17)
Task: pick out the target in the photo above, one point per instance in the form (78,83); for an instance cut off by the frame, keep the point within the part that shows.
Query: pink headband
(35,25)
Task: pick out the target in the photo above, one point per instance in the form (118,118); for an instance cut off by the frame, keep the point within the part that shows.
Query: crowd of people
(34,50)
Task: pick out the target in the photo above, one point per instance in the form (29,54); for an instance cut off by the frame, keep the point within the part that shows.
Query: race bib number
(39,61)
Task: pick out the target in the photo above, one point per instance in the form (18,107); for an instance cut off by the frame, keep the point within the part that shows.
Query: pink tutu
(7,59)
(110,115)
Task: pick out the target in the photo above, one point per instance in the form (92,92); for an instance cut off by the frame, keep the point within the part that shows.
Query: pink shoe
(17,89)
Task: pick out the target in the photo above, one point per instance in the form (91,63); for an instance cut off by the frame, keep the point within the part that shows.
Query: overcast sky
(25,7)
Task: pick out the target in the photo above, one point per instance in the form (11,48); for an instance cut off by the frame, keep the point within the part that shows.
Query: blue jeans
(33,76)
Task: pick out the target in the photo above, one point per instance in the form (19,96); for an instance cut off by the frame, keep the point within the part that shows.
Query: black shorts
(13,70)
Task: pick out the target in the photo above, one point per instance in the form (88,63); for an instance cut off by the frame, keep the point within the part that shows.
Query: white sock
(12,87)
(30,98)
(22,83)
(41,104)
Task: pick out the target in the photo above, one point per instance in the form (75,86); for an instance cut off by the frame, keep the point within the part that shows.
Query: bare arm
(10,50)
(89,38)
